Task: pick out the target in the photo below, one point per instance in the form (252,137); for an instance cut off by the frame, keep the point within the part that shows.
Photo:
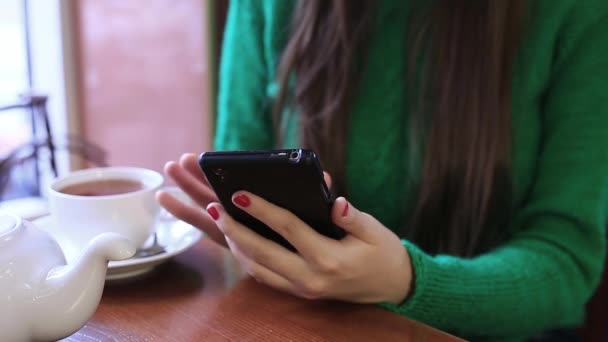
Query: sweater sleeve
(243,121)
(543,275)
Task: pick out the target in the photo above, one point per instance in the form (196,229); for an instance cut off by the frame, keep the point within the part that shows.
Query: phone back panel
(293,184)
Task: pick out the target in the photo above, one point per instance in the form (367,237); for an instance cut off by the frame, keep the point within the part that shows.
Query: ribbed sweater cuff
(417,301)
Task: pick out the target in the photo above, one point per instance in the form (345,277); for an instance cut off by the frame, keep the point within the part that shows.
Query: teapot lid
(7,223)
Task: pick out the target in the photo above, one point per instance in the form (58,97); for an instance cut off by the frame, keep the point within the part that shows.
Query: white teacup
(86,203)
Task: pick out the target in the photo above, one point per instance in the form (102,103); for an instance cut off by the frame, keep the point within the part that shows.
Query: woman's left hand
(369,265)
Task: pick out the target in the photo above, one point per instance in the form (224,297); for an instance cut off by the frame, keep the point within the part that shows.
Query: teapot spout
(70,294)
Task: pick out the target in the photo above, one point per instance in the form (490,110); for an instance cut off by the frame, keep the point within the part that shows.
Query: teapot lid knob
(7,223)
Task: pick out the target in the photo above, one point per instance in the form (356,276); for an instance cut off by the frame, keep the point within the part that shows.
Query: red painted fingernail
(345,210)
(213,212)
(242,200)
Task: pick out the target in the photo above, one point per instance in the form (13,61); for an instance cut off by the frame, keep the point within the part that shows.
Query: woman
(467,140)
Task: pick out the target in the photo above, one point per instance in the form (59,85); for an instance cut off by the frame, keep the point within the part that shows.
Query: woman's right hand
(190,178)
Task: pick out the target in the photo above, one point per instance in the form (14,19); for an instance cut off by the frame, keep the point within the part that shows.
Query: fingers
(192,215)
(359,224)
(189,161)
(198,191)
(305,239)
(327,178)
(261,273)
(265,252)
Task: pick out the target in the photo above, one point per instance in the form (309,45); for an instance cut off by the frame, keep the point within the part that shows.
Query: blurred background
(113,82)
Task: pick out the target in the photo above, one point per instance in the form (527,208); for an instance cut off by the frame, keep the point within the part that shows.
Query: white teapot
(42,298)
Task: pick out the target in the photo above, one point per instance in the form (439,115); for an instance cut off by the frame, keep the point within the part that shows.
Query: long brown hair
(460,56)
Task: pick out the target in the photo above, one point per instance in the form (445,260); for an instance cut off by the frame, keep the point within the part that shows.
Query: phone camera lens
(218,172)
(294,156)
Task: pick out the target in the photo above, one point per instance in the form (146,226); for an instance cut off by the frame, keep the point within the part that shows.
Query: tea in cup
(86,203)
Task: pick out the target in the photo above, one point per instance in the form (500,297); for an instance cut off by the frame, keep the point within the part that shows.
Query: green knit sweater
(543,275)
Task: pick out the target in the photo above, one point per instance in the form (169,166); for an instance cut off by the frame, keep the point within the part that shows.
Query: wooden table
(203,295)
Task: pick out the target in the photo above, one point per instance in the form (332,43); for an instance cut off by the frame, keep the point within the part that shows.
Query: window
(15,125)
(39,55)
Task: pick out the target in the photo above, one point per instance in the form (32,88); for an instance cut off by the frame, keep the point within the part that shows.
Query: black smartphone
(289,178)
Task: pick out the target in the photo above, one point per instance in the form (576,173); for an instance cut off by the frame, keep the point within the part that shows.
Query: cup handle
(180,195)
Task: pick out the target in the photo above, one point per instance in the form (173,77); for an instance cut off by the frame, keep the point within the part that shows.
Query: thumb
(354,222)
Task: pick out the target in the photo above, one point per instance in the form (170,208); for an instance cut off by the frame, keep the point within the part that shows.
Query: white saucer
(174,235)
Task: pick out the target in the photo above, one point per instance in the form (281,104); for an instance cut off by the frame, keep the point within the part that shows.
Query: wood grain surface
(203,295)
